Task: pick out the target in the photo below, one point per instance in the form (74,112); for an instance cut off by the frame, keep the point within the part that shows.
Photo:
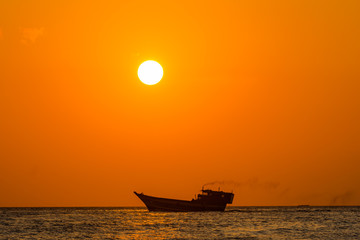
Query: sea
(302,222)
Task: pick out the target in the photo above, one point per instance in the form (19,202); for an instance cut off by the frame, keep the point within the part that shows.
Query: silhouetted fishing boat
(208,200)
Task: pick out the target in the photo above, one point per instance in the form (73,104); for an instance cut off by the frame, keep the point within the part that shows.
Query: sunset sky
(263,96)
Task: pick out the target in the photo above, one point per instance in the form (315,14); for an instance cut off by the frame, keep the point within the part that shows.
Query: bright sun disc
(150,72)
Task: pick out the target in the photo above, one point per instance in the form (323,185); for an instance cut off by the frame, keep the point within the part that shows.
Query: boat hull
(172,205)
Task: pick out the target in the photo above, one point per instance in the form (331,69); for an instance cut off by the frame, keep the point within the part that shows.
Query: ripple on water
(138,223)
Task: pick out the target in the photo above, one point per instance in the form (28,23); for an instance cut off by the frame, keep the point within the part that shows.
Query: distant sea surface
(138,223)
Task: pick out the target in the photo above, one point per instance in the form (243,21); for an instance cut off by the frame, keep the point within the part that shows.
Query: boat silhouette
(207,200)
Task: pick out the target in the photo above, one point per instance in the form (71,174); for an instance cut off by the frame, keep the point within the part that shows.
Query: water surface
(138,223)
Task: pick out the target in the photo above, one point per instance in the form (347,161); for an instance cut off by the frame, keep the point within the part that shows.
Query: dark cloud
(30,35)
(253,183)
(343,199)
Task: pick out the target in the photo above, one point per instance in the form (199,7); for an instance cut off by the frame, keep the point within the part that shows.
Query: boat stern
(228,197)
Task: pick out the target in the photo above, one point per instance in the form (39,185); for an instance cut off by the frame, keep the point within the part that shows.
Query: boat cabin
(215,196)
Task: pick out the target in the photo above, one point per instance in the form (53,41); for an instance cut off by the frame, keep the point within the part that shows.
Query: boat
(207,200)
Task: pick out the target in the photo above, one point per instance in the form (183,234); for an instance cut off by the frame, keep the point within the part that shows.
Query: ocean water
(138,223)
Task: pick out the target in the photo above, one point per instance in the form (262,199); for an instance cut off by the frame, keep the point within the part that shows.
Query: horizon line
(300,205)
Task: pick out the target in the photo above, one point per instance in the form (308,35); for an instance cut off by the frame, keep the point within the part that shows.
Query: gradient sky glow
(262,95)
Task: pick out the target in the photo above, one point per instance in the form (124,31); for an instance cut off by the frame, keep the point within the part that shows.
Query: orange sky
(263,95)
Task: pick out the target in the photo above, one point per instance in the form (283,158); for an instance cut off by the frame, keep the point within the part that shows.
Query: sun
(150,72)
